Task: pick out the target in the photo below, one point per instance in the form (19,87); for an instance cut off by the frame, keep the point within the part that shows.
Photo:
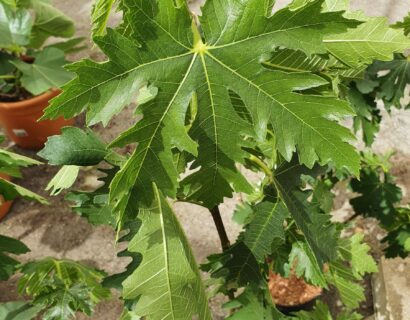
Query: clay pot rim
(28,103)
(307,306)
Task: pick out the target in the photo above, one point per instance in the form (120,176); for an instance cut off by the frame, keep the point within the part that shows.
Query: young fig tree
(242,85)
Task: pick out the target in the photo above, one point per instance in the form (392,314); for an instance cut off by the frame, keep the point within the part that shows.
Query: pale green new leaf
(99,16)
(351,292)
(336,5)
(15,26)
(167,283)
(353,263)
(64,179)
(305,264)
(45,72)
(357,253)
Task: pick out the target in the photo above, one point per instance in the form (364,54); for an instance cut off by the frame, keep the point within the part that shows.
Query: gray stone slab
(391,290)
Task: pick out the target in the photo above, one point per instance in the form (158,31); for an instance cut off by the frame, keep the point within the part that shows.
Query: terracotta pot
(4,205)
(20,121)
(292,294)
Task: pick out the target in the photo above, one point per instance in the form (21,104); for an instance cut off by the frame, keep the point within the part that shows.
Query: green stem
(8,77)
(262,165)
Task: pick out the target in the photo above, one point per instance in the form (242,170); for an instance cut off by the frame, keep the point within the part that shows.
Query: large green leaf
(74,147)
(158,46)
(167,283)
(45,72)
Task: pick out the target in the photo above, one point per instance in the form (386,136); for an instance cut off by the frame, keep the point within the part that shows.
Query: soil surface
(292,291)
(55,231)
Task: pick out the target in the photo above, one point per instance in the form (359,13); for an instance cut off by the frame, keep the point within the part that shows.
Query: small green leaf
(370,41)
(265,227)
(10,191)
(392,86)
(74,147)
(305,264)
(378,197)
(18,310)
(7,264)
(99,16)
(357,254)
(10,163)
(405,25)
(321,235)
(62,287)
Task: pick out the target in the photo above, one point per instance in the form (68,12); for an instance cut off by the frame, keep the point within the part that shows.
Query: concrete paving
(391,290)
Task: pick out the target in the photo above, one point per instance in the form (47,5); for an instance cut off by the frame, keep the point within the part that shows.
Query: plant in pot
(238,86)
(30,71)
(52,289)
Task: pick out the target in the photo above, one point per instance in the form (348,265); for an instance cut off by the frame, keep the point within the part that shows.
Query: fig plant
(242,85)
(29,66)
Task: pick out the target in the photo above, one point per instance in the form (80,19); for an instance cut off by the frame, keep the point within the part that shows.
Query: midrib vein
(147,147)
(208,82)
